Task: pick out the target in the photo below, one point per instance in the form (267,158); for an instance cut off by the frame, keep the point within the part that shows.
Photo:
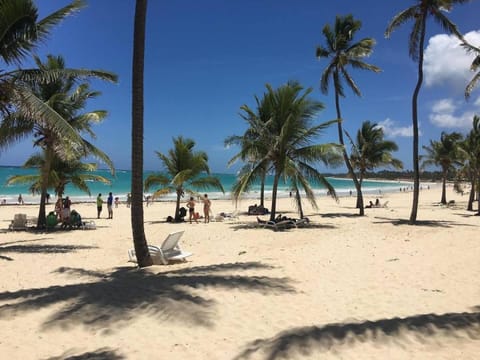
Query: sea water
(121,184)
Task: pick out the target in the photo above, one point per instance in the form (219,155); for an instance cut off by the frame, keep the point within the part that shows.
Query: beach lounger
(302,222)
(280,225)
(169,251)
(19,222)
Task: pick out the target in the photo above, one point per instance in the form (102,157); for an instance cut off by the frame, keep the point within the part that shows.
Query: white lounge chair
(168,251)
(280,225)
(19,222)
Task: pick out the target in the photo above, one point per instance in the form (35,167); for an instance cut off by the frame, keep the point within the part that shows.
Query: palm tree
(76,173)
(58,129)
(183,172)
(474,67)
(470,149)
(419,13)
(288,134)
(20,33)
(371,151)
(252,146)
(343,52)
(444,153)
(138,231)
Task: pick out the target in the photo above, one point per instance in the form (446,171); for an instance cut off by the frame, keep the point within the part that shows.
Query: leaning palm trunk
(262,191)
(471,196)
(298,199)
(177,205)
(138,231)
(346,159)
(416,165)
(45,171)
(274,195)
(360,181)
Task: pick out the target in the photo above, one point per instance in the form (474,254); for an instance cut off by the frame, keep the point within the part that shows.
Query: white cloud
(447,63)
(391,129)
(447,113)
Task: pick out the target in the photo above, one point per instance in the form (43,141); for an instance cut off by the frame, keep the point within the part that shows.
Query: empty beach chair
(169,250)
(19,222)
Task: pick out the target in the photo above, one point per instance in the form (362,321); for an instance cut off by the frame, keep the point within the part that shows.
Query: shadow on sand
(108,298)
(306,340)
(100,354)
(429,223)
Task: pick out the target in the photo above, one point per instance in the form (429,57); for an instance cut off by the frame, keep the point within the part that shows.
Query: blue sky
(204,59)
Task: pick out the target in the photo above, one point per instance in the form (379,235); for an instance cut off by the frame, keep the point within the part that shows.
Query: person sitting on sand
(377,203)
(370,205)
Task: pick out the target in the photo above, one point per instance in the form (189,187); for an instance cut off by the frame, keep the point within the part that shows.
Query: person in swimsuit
(191,210)
(206,208)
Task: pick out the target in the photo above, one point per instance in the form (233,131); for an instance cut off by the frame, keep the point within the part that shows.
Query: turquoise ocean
(121,182)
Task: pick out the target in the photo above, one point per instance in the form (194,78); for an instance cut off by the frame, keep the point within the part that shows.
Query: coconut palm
(470,149)
(185,170)
(371,150)
(57,130)
(252,146)
(444,153)
(474,67)
(343,52)
(20,32)
(289,136)
(419,13)
(76,173)
(138,230)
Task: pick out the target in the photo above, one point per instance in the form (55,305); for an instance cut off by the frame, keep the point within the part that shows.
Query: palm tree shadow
(429,223)
(125,293)
(314,338)
(100,354)
(339,215)
(46,249)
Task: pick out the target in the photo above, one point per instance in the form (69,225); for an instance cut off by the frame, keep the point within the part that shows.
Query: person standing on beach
(110,205)
(66,209)
(191,210)
(129,199)
(206,208)
(20,200)
(99,205)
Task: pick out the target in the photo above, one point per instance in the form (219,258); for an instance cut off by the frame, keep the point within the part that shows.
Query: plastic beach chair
(169,250)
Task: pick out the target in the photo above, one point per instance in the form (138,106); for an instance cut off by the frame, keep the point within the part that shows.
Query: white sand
(347,287)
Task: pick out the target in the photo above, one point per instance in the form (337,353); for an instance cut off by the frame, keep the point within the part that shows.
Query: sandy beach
(345,287)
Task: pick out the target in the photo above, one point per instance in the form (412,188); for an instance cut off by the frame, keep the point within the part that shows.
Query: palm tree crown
(184,171)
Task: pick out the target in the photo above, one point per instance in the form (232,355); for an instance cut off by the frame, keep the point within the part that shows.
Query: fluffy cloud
(447,63)
(450,114)
(391,129)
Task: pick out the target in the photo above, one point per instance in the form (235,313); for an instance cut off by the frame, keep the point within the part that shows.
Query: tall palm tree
(138,230)
(444,153)
(20,32)
(474,67)
(185,170)
(470,149)
(419,14)
(252,146)
(371,150)
(289,135)
(76,173)
(58,130)
(342,52)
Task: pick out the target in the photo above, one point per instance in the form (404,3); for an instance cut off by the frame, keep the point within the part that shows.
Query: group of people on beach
(192,215)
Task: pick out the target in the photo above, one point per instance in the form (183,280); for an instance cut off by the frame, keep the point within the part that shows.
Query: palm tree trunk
(345,156)
(443,200)
(299,202)
(138,231)
(274,195)
(45,171)
(416,166)
(360,180)
(177,206)
(262,191)
(471,196)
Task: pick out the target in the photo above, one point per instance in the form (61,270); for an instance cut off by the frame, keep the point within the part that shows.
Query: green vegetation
(184,171)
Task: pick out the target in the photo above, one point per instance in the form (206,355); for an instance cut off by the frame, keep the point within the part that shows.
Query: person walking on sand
(206,208)
(99,205)
(110,205)
(191,210)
